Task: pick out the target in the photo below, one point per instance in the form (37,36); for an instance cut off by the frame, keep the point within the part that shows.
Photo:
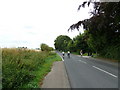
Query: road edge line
(66,71)
(67,75)
(61,57)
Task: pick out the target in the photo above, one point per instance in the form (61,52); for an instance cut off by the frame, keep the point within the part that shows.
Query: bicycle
(63,56)
(68,55)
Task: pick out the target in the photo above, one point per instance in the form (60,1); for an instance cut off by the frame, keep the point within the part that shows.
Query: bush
(112,52)
(45,47)
(18,65)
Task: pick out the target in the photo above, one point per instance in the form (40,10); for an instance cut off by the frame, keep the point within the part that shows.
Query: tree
(80,43)
(45,47)
(71,46)
(61,42)
(103,28)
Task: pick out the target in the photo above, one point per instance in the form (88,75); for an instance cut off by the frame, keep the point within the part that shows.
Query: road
(90,73)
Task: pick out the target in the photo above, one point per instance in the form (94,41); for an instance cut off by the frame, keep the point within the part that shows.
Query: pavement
(57,78)
(87,72)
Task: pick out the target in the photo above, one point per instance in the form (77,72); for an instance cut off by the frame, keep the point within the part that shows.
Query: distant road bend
(90,73)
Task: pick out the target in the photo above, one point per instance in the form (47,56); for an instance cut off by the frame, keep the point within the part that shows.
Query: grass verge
(75,53)
(106,59)
(42,71)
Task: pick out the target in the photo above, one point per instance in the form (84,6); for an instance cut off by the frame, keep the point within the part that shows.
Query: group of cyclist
(68,54)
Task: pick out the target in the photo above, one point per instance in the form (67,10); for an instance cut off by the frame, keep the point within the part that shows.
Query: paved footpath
(57,78)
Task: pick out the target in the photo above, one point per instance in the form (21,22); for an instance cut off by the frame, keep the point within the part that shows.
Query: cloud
(28,27)
(29,23)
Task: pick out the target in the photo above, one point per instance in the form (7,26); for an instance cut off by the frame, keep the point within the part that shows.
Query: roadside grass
(75,53)
(42,71)
(20,67)
(106,59)
(85,54)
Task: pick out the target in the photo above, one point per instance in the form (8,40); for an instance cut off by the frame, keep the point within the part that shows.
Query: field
(25,68)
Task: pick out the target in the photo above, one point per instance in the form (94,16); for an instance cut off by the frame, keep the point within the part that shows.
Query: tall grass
(18,66)
(42,71)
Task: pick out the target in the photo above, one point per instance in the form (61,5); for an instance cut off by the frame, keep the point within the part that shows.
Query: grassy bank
(25,68)
(42,72)
(106,59)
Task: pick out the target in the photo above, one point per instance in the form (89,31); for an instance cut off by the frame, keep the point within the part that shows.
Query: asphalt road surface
(90,73)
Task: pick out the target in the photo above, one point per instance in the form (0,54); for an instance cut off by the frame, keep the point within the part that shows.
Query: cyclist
(68,54)
(81,52)
(63,54)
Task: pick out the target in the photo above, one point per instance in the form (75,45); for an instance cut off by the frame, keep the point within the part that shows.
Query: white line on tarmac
(82,61)
(61,57)
(105,71)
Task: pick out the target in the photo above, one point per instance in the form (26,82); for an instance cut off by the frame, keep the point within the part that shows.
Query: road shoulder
(57,78)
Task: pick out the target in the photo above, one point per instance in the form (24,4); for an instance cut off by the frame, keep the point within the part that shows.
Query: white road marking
(61,57)
(82,61)
(105,71)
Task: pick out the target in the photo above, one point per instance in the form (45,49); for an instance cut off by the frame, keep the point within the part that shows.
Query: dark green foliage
(103,28)
(78,43)
(71,46)
(45,47)
(61,42)
(112,52)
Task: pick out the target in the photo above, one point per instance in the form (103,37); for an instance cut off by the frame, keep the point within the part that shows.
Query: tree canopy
(61,42)
(103,28)
(45,47)
(76,44)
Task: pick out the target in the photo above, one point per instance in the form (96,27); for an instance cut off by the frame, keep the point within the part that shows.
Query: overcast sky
(32,22)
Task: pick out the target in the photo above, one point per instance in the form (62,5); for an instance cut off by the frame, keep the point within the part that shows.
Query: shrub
(45,47)
(111,52)
(18,65)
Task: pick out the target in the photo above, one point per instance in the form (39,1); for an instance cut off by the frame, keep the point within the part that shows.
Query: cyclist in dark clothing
(63,54)
(68,54)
